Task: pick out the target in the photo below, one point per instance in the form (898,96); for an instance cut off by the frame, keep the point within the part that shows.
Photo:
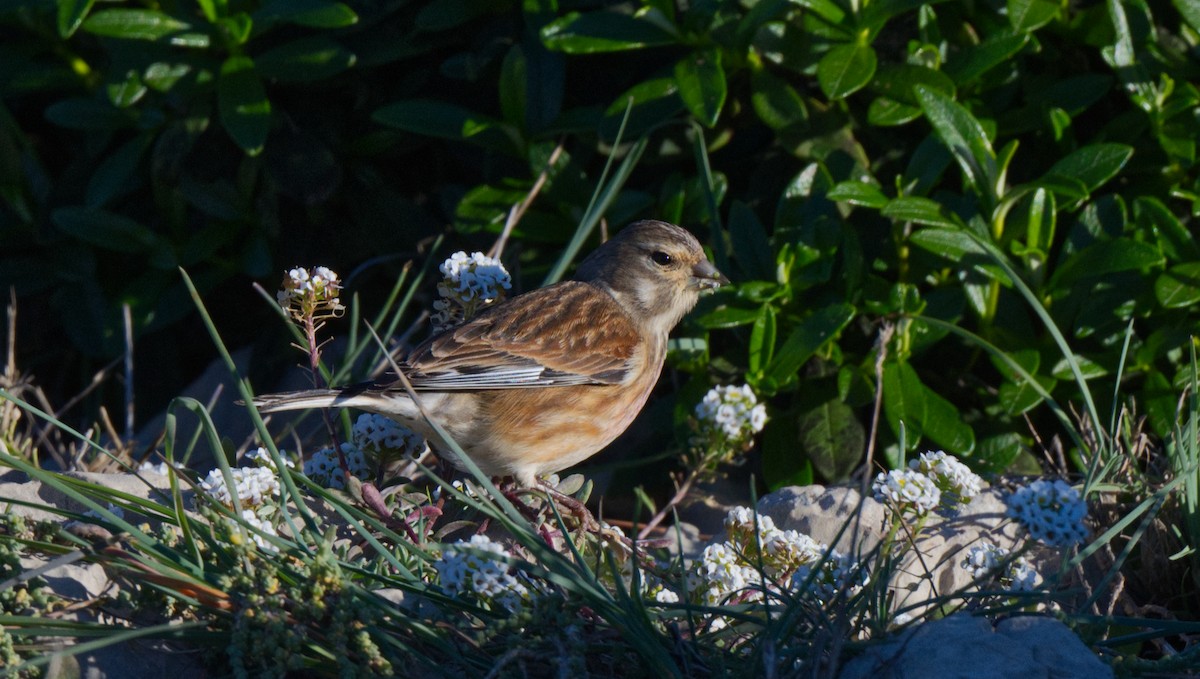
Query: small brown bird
(546,379)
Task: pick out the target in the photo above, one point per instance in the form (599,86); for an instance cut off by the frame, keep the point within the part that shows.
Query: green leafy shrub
(851,165)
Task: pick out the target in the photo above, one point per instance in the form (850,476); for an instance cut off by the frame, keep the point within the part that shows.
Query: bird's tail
(300,400)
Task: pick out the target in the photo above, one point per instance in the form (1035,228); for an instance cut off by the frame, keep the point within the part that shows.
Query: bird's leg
(576,508)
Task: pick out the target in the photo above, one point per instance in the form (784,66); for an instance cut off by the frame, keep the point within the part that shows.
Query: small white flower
(907,490)
(957,483)
(469,283)
(314,292)
(325,468)
(1051,511)
(462,572)
(731,413)
(1022,577)
(983,558)
(253,485)
(379,434)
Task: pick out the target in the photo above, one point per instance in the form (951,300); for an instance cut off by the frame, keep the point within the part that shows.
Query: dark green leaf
(884,112)
(896,82)
(1030,15)
(1175,240)
(845,69)
(87,114)
(432,118)
(441,15)
(242,101)
(762,340)
(514,87)
(602,32)
(1179,286)
(701,83)
(1093,165)
(312,13)
(728,317)
(133,24)
(862,194)
(1020,397)
(903,401)
(161,76)
(307,59)
(808,336)
(975,61)
(127,92)
(751,248)
(776,102)
(103,229)
(921,211)
(963,135)
(944,426)
(833,438)
(71,14)
(1190,11)
(783,462)
(1106,257)
(113,173)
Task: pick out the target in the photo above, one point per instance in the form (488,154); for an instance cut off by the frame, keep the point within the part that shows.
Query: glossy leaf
(975,61)
(243,105)
(783,463)
(845,69)
(808,336)
(514,87)
(1179,286)
(885,112)
(115,171)
(776,102)
(1106,257)
(312,13)
(963,136)
(1092,165)
(920,211)
(133,24)
(762,340)
(896,82)
(751,248)
(1030,15)
(1173,237)
(728,317)
(602,32)
(87,114)
(862,194)
(833,438)
(71,14)
(701,82)
(432,118)
(304,60)
(103,229)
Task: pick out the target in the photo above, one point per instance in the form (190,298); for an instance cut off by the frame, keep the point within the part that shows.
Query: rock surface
(971,648)
(832,516)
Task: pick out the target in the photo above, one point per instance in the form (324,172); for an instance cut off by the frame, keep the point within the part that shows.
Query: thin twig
(518,211)
(680,494)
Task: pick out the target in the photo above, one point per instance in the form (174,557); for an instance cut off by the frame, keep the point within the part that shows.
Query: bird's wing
(565,334)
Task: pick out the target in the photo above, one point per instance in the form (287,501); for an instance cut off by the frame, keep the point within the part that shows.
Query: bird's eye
(661,258)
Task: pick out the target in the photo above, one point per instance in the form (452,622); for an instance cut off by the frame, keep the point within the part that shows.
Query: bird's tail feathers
(300,400)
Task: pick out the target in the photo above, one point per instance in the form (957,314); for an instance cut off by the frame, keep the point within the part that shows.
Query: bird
(544,380)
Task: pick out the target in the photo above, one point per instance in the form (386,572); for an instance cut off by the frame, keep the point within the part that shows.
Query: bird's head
(655,270)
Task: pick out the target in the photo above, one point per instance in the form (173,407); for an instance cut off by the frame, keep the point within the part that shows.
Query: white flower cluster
(730,571)
(253,485)
(380,435)
(1052,511)
(907,490)
(934,480)
(252,519)
(986,559)
(957,483)
(310,292)
(324,467)
(469,283)
(730,413)
(477,567)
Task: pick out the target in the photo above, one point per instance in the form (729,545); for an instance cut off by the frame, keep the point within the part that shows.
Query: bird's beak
(706,277)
